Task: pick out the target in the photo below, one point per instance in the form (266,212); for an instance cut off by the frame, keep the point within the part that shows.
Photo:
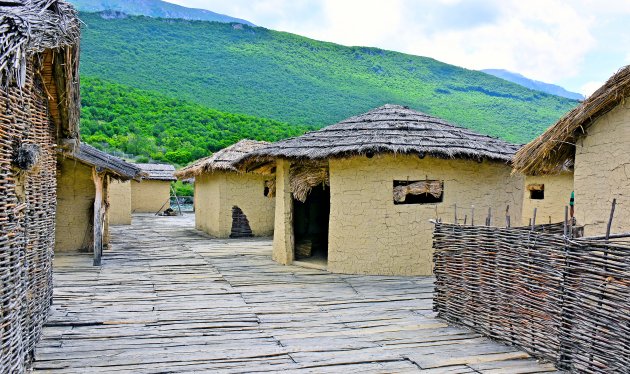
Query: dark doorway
(310,224)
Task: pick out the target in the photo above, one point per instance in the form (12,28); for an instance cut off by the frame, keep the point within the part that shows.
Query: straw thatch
(103,162)
(388,129)
(159,172)
(304,176)
(555,148)
(50,31)
(222,160)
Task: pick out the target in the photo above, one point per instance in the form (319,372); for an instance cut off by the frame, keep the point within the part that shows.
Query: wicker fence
(27,222)
(567,301)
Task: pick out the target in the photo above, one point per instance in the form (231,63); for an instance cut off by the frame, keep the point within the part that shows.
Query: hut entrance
(310,225)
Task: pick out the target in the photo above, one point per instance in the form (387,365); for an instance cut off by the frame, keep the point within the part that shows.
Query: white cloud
(546,40)
(589,87)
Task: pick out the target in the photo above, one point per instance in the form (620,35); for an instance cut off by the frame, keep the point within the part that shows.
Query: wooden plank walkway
(169,299)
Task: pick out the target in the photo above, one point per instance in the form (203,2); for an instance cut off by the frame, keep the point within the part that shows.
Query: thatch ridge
(222,160)
(387,129)
(162,172)
(103,162)
(555,148)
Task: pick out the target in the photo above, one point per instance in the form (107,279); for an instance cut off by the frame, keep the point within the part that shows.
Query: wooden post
(99,215)
(455,213)
(610,219)
(507,216)
(465,219)
(534,219)
(489,219)
(177,201)
(472,215)
(566,220)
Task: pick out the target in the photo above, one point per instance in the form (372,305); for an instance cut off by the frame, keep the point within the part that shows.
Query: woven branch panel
(567,301)
(27,221)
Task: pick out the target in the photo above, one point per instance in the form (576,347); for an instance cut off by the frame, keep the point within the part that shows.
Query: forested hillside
(297,81)
(117,117)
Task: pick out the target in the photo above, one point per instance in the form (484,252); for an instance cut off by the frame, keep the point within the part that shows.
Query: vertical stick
(534,219)
(472,215)
(177,201)
(507,216)
(489,216)
(465,219)
(566,219)
(455,213)
(610,219)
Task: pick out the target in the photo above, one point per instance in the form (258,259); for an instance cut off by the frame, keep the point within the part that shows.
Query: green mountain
(285,78)
(152,8)
(533,84)
(115,117)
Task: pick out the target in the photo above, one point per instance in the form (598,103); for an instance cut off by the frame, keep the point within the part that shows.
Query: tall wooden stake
(610,219)
(507,216)
(472,215)
(566,220)
(534,219)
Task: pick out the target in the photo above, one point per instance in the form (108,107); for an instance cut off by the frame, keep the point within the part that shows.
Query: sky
(576,44)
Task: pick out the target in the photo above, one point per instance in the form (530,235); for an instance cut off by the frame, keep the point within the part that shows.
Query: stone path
(169,299)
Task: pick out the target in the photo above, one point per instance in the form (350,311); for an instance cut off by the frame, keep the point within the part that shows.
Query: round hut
(358,196)
(593,139)
(229,203)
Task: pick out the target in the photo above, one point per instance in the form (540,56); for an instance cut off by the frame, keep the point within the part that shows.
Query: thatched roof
(51,29)
(161,172)
(103,162)
(555,148)
(388,129)
(222,160)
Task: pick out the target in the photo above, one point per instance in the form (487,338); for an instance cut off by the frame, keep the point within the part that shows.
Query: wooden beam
(99,216)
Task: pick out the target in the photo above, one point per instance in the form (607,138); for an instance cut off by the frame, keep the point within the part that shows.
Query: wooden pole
(534,219)
(610,219)
(566,219)
(99,209)
(507,216)
(465,219)
(455,213)
(489,219)
(472,215)
(177,201)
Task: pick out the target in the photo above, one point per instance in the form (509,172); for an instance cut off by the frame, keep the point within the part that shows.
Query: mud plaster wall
(283,231)
(218,192)
(371,235)
(75,202)
(119,198)
(149,195)
(557,194)
(602,172)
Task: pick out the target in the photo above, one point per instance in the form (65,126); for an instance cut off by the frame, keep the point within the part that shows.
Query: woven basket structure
(565,300)
(27,222)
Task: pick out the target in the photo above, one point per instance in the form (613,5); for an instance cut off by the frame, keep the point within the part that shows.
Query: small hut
(152,194)
(39,107)
(594,138)
(84,175)
(358,195)
(229,203)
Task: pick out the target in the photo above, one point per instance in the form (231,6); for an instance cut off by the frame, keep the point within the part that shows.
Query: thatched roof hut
(358,195)
(159,172)
(554,150)
(229,203)
(222,160)
(39,106)
(391,129)
(593,140)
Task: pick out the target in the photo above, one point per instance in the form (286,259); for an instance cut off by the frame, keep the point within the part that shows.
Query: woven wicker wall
(27,222)
(567,302)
